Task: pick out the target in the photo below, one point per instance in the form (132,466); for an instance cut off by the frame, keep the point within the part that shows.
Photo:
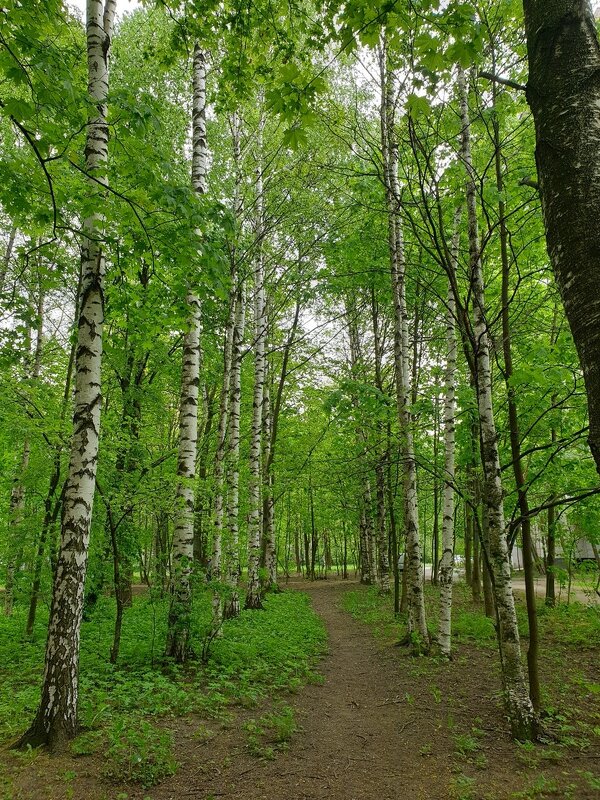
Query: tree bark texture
(446,571)
(417,623)
(563,91)
(56,718)
(518,704)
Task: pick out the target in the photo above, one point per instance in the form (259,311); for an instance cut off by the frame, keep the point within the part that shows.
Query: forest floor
(382,724)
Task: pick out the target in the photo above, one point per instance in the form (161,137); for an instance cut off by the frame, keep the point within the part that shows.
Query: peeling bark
(56,718)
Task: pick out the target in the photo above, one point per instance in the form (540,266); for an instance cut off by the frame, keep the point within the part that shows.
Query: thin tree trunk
(513,422)
(56,718)
(253,590)
(231,607)
(447,560)
(17,495)
(518,703)
(382,537)
(7,256)
(178,633)
(417,624)
(230,569)
(220,456)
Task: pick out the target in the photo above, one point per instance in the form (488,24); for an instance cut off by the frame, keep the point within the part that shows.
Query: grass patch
(265,653)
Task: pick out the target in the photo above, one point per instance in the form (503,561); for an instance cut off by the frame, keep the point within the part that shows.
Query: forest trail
(358,737)
(381,725)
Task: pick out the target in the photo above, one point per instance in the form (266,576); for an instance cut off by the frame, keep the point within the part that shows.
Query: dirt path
(382,725)
(358,738)
(350,747)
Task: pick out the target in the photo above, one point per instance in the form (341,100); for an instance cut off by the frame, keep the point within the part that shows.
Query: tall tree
(56,717)
(183,538)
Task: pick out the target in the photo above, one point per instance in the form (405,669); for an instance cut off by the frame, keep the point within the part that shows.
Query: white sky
(122,5)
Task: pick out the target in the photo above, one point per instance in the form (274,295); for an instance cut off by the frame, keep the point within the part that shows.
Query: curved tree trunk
(563,91)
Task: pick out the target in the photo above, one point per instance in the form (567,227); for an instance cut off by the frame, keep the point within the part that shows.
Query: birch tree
(417,624)
(253,598)
(446,572)
(183,537)
(56,717)
(519,708)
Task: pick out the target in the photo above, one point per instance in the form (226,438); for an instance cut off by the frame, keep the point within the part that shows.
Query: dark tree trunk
(563,91)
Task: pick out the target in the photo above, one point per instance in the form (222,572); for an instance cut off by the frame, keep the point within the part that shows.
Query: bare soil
(382,725)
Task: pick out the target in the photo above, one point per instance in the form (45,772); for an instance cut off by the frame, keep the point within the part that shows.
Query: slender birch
(519,707)
(417,623)
(220,454)
(383,563)
(447,559)
(253,593)
(56,717)
(231,555)
(269,582)
(231,607)
(183,537)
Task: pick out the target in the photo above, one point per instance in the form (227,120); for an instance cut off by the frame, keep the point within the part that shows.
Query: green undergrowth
(123,707)
(569,637)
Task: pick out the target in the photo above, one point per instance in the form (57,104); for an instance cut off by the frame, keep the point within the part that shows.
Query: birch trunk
(253,591)
(518,704)
(513,419)
(368,567)
(182,555)
(417,623)
(446,571)
(271,425)
(269,539)
(563,91)
(7,257)
(56,718)
(382,538)
(220,454)
(231,606)
(182,549)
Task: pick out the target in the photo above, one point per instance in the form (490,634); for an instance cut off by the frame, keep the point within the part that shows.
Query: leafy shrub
(139,752)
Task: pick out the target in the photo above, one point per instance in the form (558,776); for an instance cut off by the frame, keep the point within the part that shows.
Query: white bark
(417,624)
(253,592)
(182,553)
(221,452)
(268,499)
(56,718)
(520,710)
(231,556)
(447,559)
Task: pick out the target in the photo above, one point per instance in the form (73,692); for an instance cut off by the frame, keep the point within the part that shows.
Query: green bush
(139,752)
